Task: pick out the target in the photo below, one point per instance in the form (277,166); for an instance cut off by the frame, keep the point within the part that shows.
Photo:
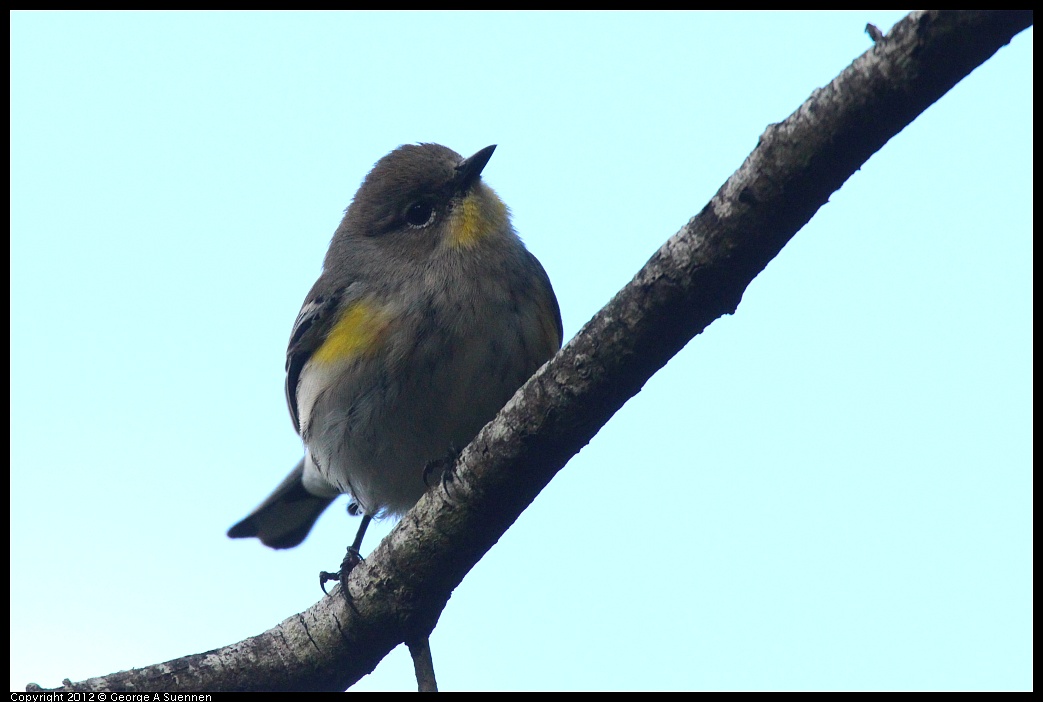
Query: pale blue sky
(830,489)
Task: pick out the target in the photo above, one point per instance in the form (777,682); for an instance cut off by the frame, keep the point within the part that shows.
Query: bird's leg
(351,559)
(440,466)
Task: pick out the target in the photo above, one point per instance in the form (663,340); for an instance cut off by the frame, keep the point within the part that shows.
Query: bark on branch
(698,275)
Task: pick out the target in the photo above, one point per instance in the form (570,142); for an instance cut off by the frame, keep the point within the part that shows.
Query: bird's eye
(420,214)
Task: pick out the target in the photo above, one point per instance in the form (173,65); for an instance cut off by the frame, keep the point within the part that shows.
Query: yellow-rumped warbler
(428,315)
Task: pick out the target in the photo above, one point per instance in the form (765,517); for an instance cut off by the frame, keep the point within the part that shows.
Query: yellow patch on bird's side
(356,333)
(480,214)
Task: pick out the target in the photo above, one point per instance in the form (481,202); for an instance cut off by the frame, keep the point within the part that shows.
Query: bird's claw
(351,559)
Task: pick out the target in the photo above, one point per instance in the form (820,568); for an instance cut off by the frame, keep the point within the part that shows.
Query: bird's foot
(351,559)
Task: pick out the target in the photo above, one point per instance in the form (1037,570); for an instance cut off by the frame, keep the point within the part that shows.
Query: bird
(428,315)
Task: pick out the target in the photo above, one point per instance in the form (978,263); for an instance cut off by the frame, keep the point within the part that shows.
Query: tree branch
(698,275)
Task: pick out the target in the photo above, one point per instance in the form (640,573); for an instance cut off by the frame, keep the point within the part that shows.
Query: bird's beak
(469,170)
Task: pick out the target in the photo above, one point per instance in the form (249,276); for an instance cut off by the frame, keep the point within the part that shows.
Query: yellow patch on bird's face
(480,214)
(357,333)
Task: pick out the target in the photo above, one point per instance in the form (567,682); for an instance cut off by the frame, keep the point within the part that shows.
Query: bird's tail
(286,517)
